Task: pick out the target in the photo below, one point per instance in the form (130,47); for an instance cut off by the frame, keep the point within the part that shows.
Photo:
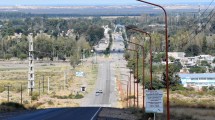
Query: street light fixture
(126,89)
(167,69)
(129,80)
(142,73)
(137,71)
(141,31)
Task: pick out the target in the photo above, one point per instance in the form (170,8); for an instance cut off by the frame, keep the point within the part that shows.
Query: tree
(193,50)
(204,45)
(159,57)
(197,69)
(174,79)
(205,63)
(95,33)
(23,56)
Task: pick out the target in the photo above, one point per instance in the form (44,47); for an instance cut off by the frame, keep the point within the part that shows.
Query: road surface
(80,113)
(105,93)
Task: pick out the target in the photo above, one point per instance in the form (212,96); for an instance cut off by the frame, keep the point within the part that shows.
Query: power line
(201,16)
(202,27)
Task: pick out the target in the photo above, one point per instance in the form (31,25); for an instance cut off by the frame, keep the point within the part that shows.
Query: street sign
(79,74)
(154,101)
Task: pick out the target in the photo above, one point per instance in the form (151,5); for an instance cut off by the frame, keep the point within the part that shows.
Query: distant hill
(97,10)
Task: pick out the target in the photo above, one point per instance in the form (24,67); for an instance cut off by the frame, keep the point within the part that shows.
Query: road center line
(95,114)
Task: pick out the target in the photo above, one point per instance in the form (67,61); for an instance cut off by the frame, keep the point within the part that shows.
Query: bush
(35,96)
(13,105)
(2,89)
(23,56)
(50,102)
(8,56)
(177,87)
(25,102)
(70,96)
(78,96)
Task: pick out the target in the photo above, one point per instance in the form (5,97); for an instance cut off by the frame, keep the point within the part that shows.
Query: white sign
(154,101)
(79,74)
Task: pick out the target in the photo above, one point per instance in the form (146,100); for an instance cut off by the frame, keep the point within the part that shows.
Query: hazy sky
(92,2)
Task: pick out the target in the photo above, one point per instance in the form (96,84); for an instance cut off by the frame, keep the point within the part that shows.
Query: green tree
(174,79)
(197,69)
(193,50)
(204,45)
(95,33)
(23,56)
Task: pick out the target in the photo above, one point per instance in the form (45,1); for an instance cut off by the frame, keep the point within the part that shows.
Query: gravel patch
(116,114)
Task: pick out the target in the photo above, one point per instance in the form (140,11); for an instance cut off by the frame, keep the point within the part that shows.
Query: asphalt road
(92,103)
(80,113)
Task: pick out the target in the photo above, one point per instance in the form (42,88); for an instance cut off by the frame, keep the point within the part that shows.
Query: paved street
(105,93)
(80,113)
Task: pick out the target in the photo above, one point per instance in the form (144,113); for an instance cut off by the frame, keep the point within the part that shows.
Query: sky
(92,2)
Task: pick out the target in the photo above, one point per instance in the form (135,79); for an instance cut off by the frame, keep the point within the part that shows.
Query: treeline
(185,35)
(61,38)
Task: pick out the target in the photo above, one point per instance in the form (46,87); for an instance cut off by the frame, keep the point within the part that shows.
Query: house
(188,61)
(207,58)
(176,55)
(197,80)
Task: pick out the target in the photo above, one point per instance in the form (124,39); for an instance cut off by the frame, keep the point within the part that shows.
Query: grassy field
(63,83)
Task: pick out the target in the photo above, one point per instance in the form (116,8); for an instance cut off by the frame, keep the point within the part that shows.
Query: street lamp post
(167,69)
(142,73)
(137,57)
(129,83)
(126,90)
(150,40)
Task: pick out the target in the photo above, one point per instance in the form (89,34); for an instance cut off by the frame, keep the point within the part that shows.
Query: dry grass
(17,75)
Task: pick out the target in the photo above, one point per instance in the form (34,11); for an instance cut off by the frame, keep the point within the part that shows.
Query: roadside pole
(8,92)
(39,88)
(21,93)
(48,85)
(64,83)
(43,84)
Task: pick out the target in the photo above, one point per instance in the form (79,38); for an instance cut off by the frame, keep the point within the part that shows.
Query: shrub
(13,105)
(78,96)
(22,56)
(50,102)
(25,102)
(35,96)
(2,89)
(8,56)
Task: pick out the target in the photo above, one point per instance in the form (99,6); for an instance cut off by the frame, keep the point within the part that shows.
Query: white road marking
(95,114)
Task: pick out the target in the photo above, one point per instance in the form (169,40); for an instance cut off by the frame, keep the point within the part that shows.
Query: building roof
(197,75)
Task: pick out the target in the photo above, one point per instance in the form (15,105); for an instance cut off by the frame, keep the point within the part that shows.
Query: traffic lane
(81,113)
(106,94)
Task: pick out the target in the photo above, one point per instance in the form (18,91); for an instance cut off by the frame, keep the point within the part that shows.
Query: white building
(198,79)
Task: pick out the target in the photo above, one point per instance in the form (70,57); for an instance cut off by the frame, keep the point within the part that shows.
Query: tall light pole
(150,40)
(31,75)
(143,72)
(129,83)
(126,90)
(137,57)
(167,69)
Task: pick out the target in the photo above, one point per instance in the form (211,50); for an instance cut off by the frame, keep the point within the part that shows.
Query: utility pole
(39,88)
(43,84)
(21,93)
(64,83)
(48,85)
(31,76)
(8,92)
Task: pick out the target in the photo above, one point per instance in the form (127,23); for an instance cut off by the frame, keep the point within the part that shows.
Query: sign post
(154,101)
(79,74)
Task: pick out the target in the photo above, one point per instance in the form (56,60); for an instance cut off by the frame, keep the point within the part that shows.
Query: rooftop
(197,75)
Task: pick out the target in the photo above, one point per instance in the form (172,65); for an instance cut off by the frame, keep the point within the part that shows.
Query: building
(176,55)
(198,80)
